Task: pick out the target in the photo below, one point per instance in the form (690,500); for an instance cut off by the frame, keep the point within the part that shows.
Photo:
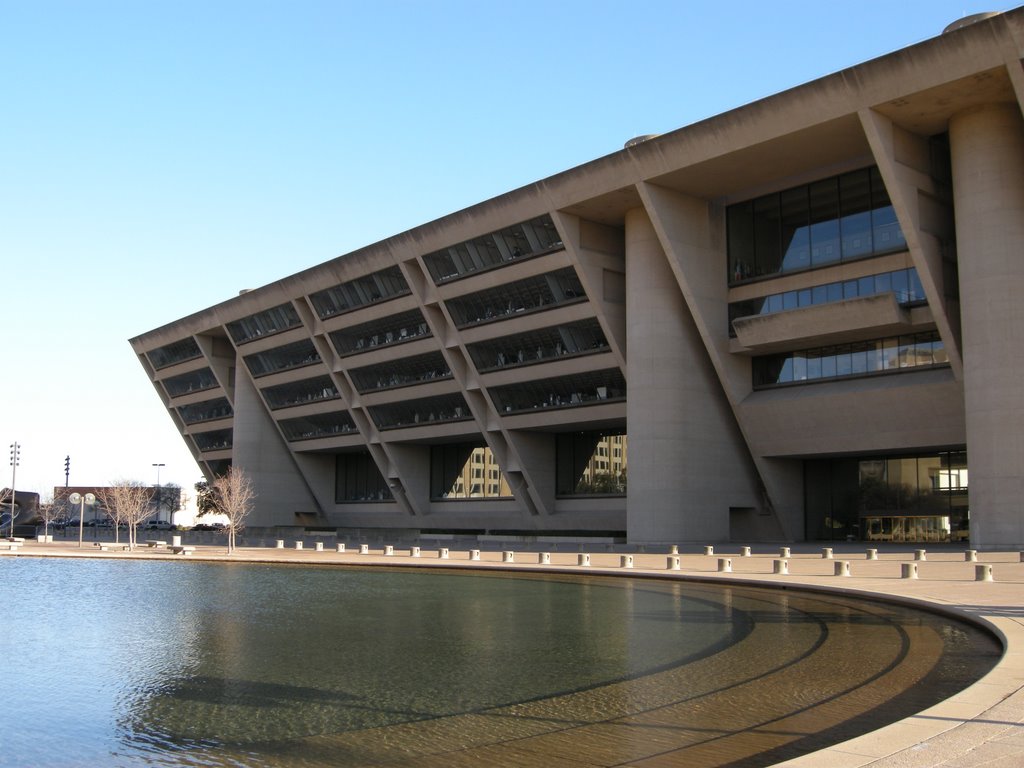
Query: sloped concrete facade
(780,372)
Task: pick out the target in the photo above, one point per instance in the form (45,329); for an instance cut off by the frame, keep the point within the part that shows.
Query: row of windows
(172,354)
(902,282)
(559,287)
(856,359)
(395,329)
(216,440)
(838,219)
(518,241)
(300,392)
(193,381)
(561,392)
(270,321)
(319,425)
(369,289)
(576,338)
(403,372)
(208,410)
(294,355)
(428,410)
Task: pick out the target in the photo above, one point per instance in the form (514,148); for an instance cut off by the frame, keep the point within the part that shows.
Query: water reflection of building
(805,295)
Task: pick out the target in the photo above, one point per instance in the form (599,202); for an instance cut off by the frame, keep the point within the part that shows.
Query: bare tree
(233,496)
(52,510)
(129,503)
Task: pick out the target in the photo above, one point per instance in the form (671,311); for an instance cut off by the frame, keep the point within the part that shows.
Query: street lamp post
(77,498)
(15,456)
(159,498)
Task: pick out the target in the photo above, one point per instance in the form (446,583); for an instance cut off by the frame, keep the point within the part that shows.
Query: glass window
(855,202)
(844,361)
(824,197)
(804,298)
(866,286)
(580,471)
(883,282)
(813,365)
(790,300)
(740,223)
(858,359)
(828,363)
(834,292)
(915,291)
(767,235)
(850,289)
(796,236)
(886,232)
(819,294)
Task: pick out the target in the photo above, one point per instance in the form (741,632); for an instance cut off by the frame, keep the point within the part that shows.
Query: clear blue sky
(158,156)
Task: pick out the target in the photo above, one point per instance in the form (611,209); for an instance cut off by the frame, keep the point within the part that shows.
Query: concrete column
(987,148)
(682,455)
(259,449)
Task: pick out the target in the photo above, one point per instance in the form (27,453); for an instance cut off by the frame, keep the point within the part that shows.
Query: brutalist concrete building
(800,319)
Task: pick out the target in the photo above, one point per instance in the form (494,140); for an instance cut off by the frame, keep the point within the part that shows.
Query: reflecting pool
(132,663)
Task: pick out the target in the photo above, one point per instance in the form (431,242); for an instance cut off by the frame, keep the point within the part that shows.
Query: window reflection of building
(903,499)
(592,463)
(466,471)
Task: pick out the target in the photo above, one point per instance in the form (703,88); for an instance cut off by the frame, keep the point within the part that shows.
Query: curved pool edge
(983,720)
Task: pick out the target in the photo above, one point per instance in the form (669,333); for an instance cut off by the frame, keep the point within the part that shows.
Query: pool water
(130,663)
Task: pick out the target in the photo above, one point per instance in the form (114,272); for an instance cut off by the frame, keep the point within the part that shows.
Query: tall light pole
(15,456)
(158,496)
(77,498)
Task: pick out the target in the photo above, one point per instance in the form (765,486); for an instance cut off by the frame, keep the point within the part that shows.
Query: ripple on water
(156,663)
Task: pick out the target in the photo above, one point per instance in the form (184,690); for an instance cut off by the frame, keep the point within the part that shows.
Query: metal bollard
(983,573)
(442,553)
(780,567)
(389,550)
(842,568)
(414,551)
(672,563)
(545,558)
(341,547)
(725,565)
(826,553)
(508,556)
(971,556)
(364,549)
(474,554)
(744,551)
(319,546)
(908,570)
(920,554)
(871,554)
(783,552)
(298,544)
(583,558)
(626,561)
(709,551)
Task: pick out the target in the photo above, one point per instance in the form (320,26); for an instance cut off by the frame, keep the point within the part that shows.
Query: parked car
(159,525)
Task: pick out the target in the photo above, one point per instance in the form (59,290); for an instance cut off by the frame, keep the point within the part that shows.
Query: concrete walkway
(981,726)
